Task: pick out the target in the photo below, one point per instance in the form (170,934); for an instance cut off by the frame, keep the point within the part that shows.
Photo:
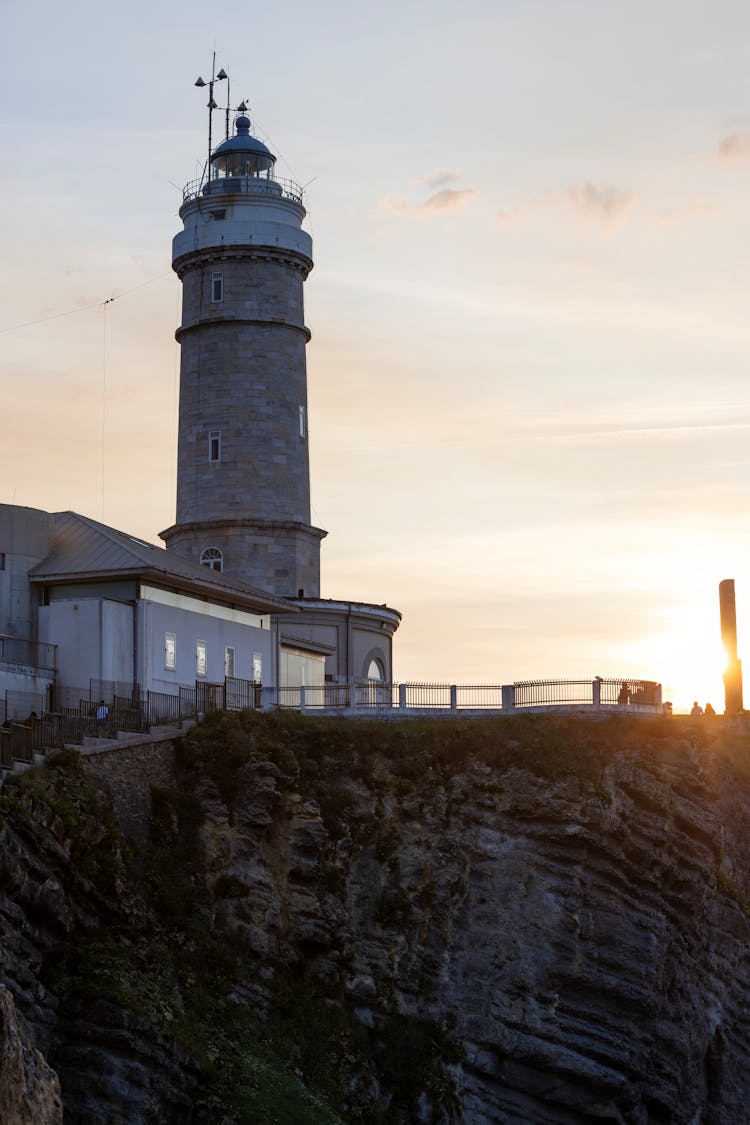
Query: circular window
(213,558)
(375,670)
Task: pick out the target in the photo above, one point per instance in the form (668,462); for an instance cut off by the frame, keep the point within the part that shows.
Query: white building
(86,610)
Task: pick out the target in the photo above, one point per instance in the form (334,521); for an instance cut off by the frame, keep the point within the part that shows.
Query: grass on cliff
(80,816)
(326,757)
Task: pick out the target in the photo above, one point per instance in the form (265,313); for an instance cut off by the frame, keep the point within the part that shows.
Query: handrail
(35,654)
(243,185)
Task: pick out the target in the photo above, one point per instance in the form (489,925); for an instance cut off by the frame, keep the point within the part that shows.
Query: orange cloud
(448,199)
(735,147)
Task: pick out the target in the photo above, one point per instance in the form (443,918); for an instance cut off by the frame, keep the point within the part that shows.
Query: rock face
(529,921)
(29,1088)
(59,884)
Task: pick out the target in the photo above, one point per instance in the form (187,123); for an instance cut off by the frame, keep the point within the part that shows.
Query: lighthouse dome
(242,154)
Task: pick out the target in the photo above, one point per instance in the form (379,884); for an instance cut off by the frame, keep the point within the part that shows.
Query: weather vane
(212,105)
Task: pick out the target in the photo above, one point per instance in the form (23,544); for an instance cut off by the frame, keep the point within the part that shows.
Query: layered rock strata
(558,911)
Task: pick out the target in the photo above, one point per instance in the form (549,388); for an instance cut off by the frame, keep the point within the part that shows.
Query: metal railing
(484,697)
(553,693)
(243,185)
(30,654)
(364,695)
(18,705)
(19,742)
(629,692)
(6,749)
(75,718)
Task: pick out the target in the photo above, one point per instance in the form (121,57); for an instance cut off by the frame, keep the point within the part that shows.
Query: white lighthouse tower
(243,478)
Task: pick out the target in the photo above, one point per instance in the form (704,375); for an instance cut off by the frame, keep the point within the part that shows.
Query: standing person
(102,712)
(624,696)
(697,709)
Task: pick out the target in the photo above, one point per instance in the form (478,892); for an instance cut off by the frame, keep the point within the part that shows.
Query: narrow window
(2,560)
(217,286)
(212,558)
(214,445)
(170,652)
(200,658)
(229,663)
(302,426)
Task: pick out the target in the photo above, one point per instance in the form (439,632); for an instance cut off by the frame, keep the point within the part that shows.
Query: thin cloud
(735,147)
(448,199)
(671,216)
(514,215)
(605,205)
(437,179)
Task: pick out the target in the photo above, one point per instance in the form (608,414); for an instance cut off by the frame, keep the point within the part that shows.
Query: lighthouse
(243,477)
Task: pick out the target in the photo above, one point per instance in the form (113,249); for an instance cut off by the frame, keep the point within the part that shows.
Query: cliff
(530,920)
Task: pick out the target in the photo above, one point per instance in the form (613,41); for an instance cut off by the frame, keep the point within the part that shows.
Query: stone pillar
(733,671)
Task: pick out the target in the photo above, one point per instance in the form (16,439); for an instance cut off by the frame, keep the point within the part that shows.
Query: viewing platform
(74,722)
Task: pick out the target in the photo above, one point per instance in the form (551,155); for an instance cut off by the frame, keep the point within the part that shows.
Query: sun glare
(690,658)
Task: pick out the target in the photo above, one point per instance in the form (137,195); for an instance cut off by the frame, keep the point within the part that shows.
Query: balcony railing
(28,654)
(243,185)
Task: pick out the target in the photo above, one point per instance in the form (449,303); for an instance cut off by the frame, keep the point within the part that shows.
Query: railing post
(302,698)
(353,695)
(596,692)
(508,697)
(402,697)
(454,697)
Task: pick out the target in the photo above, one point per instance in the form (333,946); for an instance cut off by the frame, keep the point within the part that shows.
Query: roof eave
(260,602)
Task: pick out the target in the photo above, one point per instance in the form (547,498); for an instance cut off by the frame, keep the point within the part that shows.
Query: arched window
(375,670)
(213,558)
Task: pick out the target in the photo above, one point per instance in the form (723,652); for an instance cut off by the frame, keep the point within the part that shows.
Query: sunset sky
(529,405)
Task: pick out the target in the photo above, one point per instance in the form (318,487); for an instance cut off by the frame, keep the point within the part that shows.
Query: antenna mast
(212,104)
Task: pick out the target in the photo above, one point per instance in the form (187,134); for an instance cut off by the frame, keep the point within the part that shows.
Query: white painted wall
(190,626)
(94,638)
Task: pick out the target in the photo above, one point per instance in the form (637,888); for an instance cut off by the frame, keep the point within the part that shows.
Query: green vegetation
(80,814)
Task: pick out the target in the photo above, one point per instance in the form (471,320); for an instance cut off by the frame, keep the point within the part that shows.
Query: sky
(528,403)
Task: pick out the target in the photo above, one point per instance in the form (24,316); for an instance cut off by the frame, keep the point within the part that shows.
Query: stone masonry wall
(243,372)
(128,772)
(280,559)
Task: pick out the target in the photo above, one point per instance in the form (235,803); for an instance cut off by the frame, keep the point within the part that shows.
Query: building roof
(243,142)
(84,550)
